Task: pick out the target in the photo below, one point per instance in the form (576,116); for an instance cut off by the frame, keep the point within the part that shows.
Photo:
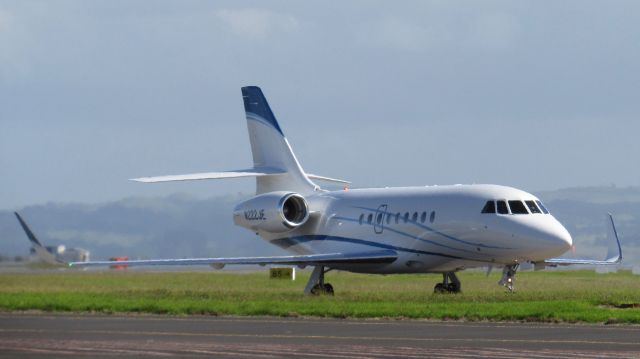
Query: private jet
(429,229)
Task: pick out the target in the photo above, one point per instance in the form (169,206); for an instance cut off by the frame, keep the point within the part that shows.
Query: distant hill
(180,226)
(176,226)
(600,195)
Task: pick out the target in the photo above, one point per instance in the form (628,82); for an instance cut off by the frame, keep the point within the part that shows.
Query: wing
(614,254)
(380,256)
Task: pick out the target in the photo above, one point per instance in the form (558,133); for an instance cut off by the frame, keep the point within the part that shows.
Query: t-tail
(275,166)
(270,148)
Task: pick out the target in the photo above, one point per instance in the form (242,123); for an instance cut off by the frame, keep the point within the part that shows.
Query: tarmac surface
(70,335)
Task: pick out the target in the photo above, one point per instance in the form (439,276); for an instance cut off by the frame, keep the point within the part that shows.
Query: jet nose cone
(556,238)
(563,238)
(544,237)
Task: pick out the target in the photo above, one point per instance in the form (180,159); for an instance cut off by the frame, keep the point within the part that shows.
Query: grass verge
(580,296)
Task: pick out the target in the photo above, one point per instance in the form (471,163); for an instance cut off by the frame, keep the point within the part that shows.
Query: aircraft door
(378,221)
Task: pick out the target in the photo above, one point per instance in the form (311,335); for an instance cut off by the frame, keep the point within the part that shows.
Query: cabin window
(406,217)
(502,207)
(361,218)
(423,217)
(369,218)
(532,207)
(517,207)
(542,207)
(432,218)
(490,207)
(415,217)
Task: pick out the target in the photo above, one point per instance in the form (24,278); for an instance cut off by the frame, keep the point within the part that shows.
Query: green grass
(582,296)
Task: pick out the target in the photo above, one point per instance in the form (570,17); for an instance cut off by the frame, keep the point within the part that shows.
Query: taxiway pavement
(64,335)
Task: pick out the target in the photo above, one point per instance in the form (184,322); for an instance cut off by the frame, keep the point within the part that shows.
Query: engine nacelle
(274,212)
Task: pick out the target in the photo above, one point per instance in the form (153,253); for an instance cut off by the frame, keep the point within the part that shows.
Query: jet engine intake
(274,212)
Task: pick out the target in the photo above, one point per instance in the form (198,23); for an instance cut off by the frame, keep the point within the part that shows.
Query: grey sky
(537,95)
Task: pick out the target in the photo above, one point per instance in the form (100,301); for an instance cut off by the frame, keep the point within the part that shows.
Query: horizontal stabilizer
(614,254)
(251,172)
(381,256)
(327,179)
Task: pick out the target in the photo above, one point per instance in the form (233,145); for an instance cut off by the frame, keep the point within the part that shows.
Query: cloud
(257,23)
(402,34)
(494,31)
(482,31)
(396,33)
(15,42)
(5,20)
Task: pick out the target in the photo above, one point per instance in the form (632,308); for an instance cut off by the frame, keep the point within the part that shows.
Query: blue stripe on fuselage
(431,230)
(408,235)
(295,240)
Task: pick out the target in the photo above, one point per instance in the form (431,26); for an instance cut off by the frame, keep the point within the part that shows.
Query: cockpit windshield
(517,207)
(542,207)
(532,207)
(502,207)
(514,207)
(490,207)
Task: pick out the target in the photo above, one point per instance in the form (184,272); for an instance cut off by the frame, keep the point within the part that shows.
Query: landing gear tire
(450,284)
(439,289)
(320,289)
(509,277)
(316,284)
(328,289)
(453,288)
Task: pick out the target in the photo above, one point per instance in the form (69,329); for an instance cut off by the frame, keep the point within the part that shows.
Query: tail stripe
(256,104)
(252,116)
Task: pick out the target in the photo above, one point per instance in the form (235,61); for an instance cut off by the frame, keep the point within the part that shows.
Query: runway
(64,335)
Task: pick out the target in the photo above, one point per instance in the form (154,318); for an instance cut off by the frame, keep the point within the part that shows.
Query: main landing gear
(316,284)
(509,276)
(450,284)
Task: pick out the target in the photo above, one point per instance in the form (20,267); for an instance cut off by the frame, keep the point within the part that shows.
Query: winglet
(612,256)
(614,253)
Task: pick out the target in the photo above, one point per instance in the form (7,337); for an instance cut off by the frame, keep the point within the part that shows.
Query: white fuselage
(439,229)
(433,229)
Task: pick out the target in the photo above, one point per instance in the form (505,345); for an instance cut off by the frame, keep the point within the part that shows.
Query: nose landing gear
(509,276)
(316,284)
(450,284)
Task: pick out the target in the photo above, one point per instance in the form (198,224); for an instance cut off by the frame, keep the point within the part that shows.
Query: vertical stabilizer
(270,148)
(40,250)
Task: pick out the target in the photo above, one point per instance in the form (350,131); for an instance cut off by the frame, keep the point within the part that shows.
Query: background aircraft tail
(270,148)
(40,250)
